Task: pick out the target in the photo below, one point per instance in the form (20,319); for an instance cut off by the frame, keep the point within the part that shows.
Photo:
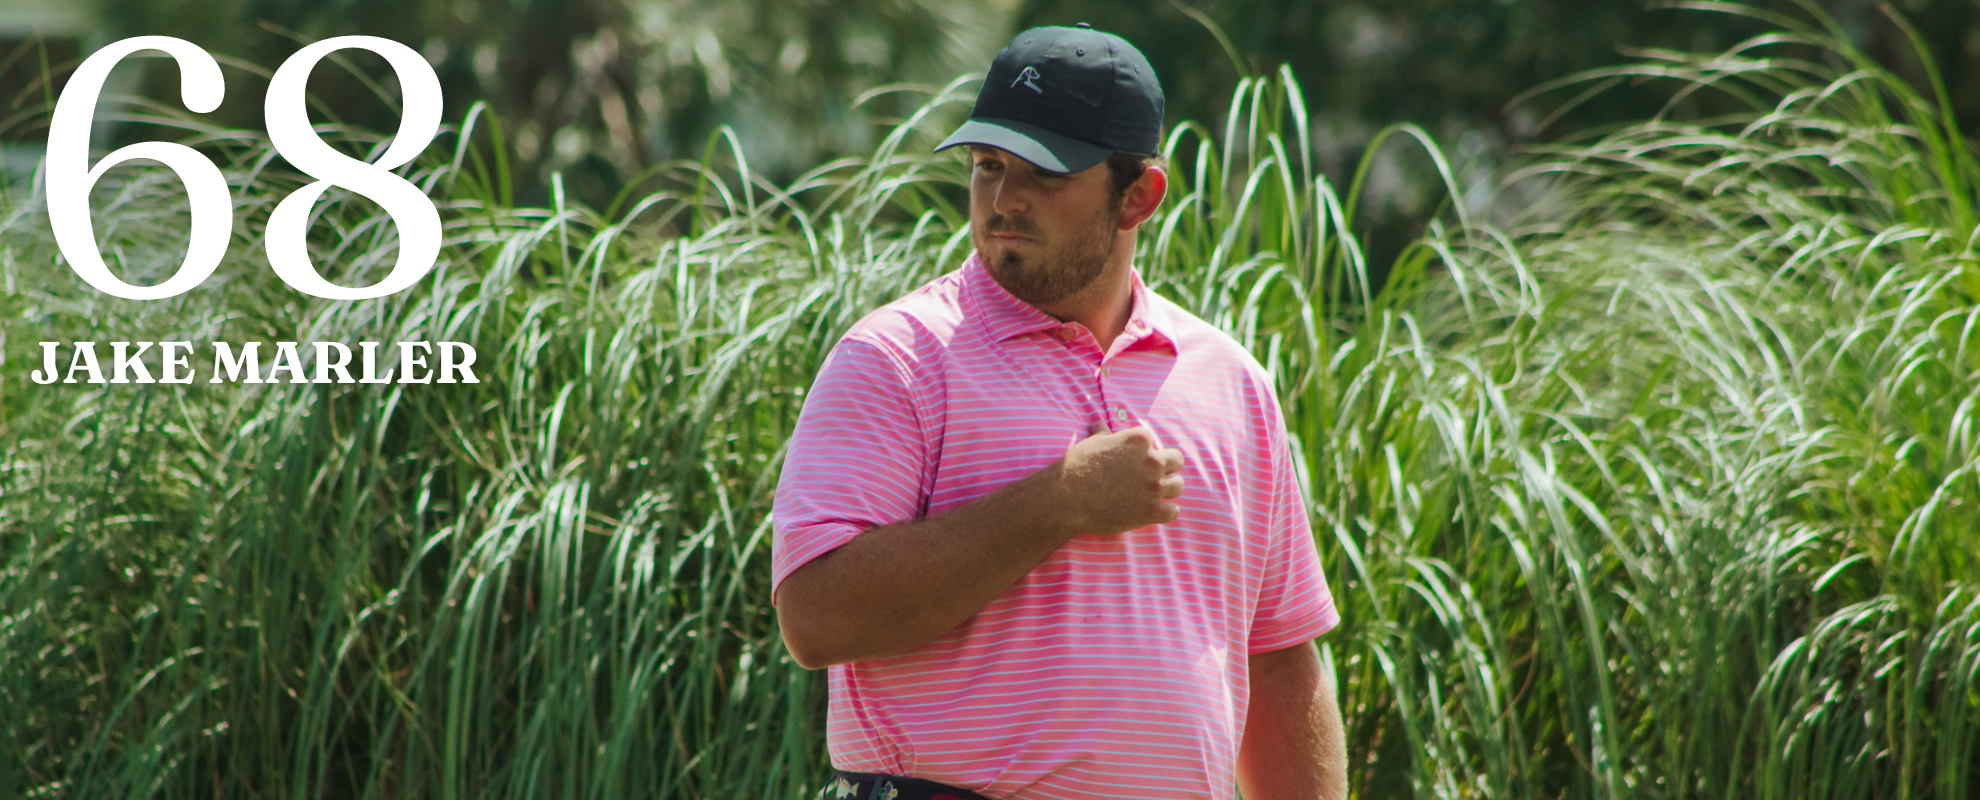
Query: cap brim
(1048,150)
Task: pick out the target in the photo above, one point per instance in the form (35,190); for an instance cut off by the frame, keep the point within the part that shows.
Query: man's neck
(1103,307)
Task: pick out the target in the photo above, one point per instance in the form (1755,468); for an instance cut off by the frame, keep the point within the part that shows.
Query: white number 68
(70,175)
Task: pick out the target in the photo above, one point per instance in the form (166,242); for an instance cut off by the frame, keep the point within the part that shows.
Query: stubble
(1043,278)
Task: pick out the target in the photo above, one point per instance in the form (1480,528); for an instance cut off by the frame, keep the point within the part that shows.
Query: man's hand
(1116,482)
(894,588)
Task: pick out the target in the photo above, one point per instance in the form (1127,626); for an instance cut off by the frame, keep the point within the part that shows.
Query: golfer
(1042,523)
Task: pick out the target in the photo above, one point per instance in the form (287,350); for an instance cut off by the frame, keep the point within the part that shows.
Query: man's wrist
(1047,494)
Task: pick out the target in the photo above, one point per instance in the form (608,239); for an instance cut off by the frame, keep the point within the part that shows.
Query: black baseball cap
(1065,99)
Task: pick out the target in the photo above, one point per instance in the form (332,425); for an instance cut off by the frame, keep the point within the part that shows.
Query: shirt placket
(1101,368)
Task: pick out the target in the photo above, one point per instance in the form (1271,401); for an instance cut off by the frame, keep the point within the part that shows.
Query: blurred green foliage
(1665,495)
(1465,71)
(1460,65)
(601,91)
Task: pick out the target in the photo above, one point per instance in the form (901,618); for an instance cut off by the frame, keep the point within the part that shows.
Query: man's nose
(1009,197)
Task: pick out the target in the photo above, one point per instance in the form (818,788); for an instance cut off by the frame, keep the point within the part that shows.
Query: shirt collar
(1006,317)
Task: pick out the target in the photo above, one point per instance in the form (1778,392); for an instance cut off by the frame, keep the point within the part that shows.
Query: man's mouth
(1010,229)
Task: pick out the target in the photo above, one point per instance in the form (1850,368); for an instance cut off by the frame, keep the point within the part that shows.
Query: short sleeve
(857,459)
(1294,604)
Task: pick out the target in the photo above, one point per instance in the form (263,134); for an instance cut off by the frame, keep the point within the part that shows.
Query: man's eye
(987,164)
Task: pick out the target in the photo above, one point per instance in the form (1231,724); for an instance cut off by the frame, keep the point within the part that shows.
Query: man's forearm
(896,587)
(1294,747)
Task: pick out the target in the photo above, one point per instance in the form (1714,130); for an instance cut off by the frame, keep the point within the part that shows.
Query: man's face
(1042,235)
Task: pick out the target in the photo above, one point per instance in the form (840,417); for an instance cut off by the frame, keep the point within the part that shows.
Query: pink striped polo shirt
(1117,668)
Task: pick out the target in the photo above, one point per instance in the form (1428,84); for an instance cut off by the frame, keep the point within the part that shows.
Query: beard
(1056,273)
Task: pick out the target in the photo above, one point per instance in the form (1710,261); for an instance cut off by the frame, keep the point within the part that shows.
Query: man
(1041,523)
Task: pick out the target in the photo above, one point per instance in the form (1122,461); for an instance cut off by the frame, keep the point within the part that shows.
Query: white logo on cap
(1026,77)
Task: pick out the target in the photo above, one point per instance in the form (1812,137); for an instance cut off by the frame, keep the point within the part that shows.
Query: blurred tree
(600,89)
(1455,67)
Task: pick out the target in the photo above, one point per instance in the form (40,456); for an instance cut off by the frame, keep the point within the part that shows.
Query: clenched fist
(1116,482)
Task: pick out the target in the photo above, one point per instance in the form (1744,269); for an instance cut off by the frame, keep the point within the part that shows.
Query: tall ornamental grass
(1670,494)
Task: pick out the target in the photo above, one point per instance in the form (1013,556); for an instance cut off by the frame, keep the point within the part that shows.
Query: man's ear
(1143,196)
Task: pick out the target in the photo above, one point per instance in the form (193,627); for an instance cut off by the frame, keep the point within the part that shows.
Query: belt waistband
(880,786)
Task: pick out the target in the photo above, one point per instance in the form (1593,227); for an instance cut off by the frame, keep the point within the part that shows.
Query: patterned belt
(877,786)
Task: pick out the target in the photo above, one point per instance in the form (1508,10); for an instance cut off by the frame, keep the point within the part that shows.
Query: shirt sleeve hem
(821,540)
(1306,628)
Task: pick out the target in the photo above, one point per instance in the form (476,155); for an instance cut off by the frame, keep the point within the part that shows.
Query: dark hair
(1123,169)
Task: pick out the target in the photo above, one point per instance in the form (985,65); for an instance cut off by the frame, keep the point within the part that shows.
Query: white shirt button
(1121,415)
